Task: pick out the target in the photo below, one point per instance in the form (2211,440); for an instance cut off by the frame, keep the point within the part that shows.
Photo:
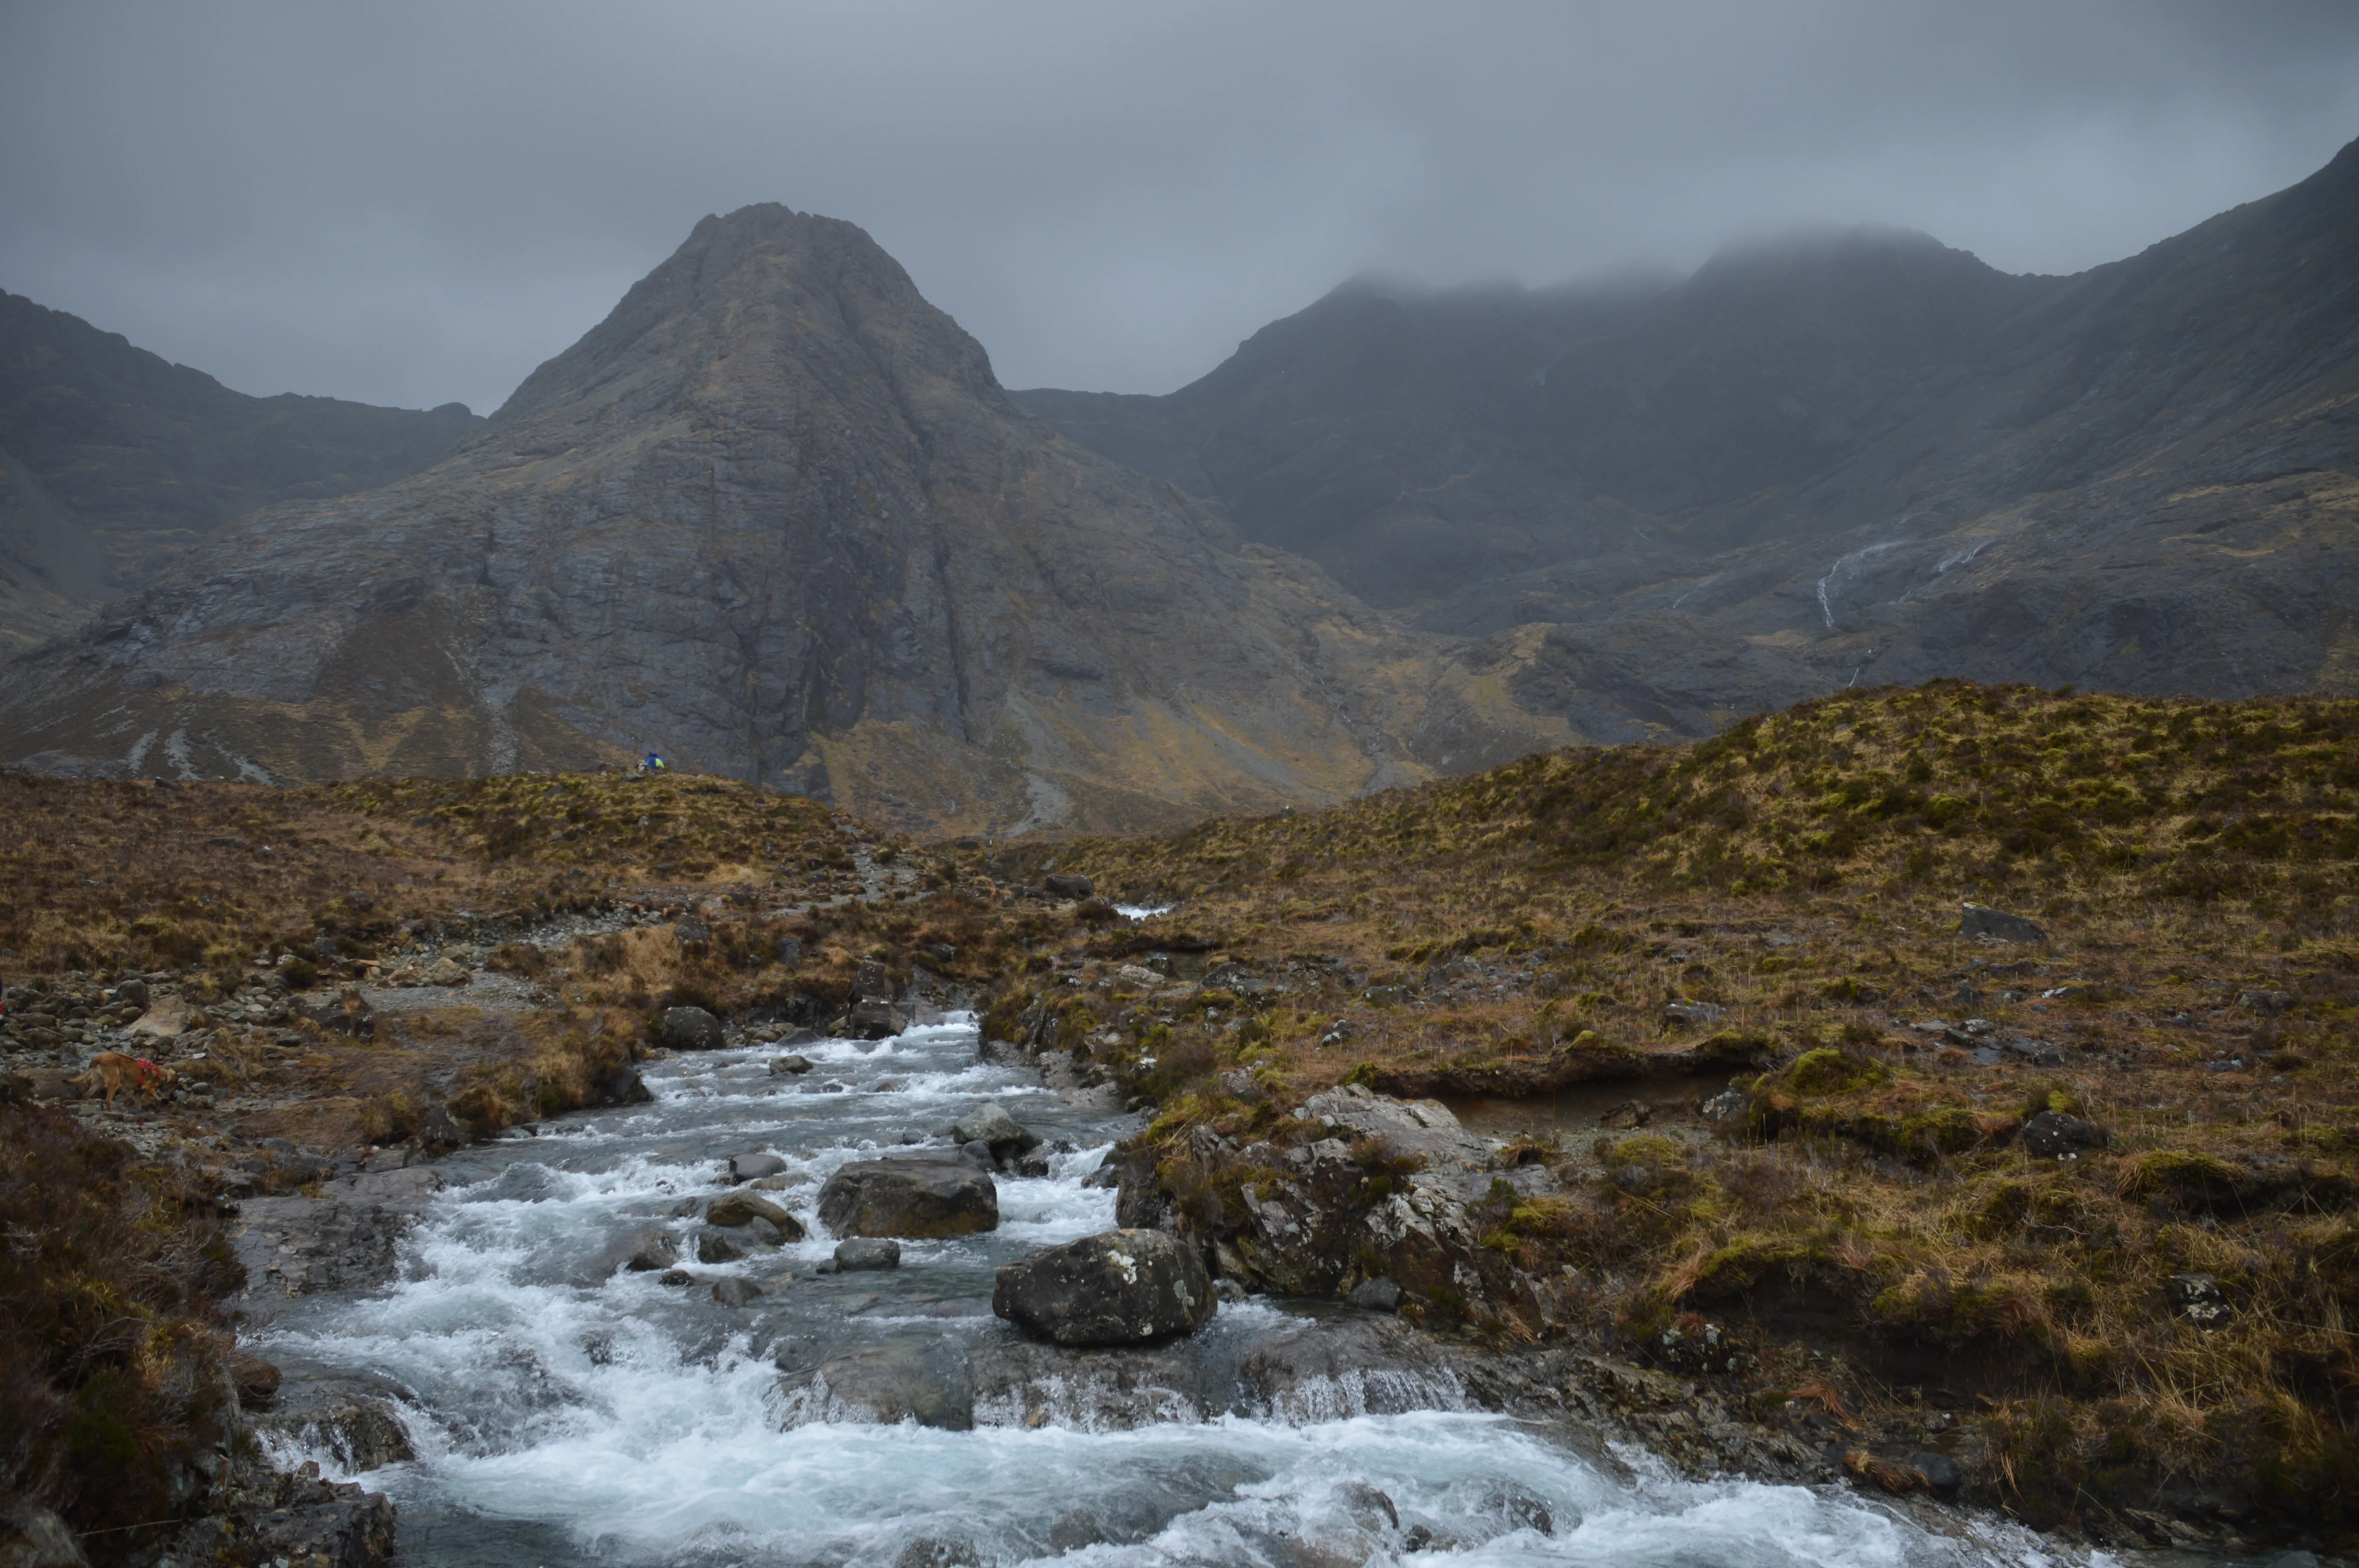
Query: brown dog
(115,1069)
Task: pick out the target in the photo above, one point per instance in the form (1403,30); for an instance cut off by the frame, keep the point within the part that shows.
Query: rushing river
(560,1418)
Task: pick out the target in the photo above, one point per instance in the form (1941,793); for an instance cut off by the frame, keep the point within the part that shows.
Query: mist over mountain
(1844,456)
(113,461)
(773,517)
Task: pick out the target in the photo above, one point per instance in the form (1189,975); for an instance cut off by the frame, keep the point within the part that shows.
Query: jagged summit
(775,517)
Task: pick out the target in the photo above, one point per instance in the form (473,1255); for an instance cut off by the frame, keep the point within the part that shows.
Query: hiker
(654,763)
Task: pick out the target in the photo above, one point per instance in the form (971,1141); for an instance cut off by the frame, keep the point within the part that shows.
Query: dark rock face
(1895,460)
(776,517)
(688,1028)
(915,1198)
(1981,920)
(1122,1287)
(123,460)
(997,1132)
(1065,886)
(355,1420)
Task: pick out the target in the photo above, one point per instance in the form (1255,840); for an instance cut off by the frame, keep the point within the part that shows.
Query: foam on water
(562,1417)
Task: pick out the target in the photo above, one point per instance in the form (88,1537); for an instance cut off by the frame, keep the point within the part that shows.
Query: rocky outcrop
(344,1240)
(775,517)
(1123,1287)
(915,1198)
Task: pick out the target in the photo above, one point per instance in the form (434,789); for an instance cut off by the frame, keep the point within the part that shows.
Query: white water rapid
(564,1417)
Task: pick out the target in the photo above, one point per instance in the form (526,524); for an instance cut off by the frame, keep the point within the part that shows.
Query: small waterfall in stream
(564,1417)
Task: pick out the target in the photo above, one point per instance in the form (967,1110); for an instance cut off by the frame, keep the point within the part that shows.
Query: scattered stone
(734,1292)
(447,971)
(1379,1294)
(790,1066)
(751,1167)
(1695,1013)
(717,1247)
(347,1014)
(688,1028)
(690,930)
(132,993)
(2040,1053)
(867,1253)
(911,1197)
(1070,886)
(1139,978)
(1622,1118)
(2197,1299)
(165,1020)
(2265,1002)
(1122,1287)
(256,1380)
(1981,920)
(2053,1135)
(739,1208)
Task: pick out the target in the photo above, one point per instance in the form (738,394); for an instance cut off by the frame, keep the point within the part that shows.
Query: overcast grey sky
(416,202)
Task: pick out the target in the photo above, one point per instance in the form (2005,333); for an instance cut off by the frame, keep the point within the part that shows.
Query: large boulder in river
(915,1198)
(688,1028)
(1119,1287)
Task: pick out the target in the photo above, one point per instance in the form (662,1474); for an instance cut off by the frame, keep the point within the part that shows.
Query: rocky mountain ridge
(775,518)
(1855,457)
(114,462)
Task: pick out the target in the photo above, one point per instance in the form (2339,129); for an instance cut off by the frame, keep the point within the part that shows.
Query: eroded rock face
(1120,1287)
(915,1198)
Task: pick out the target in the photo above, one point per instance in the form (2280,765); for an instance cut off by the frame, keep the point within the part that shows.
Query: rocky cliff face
(775,518)
(1858,457)
(112,461)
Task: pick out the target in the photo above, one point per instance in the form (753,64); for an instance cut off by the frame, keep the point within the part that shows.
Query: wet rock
(978,1154)
(733,1209)
(753,1166)
(1942,1476)
(358,1421)
(256,1380)
(911,1197)
(717,1247)
(675,1277)
(991,1125)
(297,1246)
(1981,920)
(36,1538)
(1705,1012)
(688,1028)
(621,1086)
(1033,1165)
(875,1020)
(767,1234)
(790,1066)
(2265,1002)
(1630,1113)
(1379,1294)
(863,1252)
(938,1551)
(2197,1299)
(735,1293)
(1069,885)
(914,1378)
(647,1253)
(1120,1287)
(2053,1135)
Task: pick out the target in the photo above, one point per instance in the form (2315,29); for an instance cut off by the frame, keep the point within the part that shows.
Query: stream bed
(563,1413)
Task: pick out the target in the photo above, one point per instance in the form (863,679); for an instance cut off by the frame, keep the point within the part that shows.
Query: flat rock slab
(297,1246)
(1403,1129)
(915,1197)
